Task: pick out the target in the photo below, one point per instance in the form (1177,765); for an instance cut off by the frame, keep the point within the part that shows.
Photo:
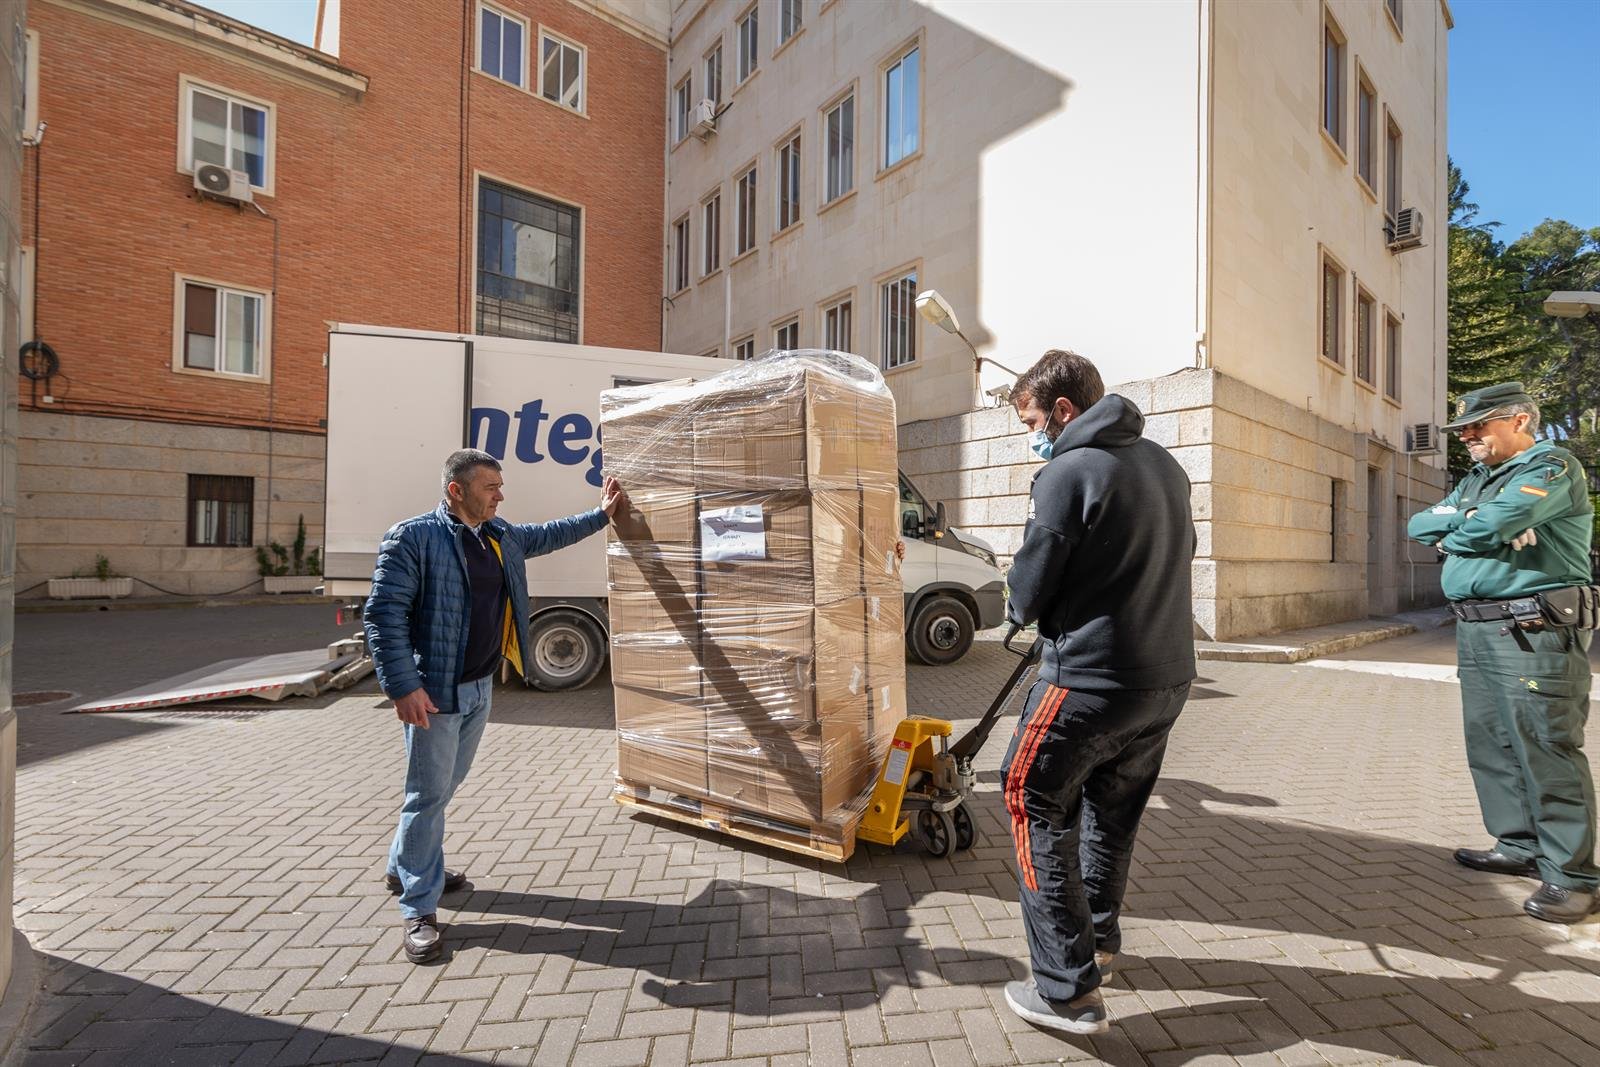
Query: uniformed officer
(1520,524)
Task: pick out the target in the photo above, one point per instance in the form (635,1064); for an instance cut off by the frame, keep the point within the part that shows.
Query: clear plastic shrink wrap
(756,606)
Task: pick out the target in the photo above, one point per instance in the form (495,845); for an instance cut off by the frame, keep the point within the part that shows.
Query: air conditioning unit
(703,120)
(1422,439)
(220,183)
(1406,230)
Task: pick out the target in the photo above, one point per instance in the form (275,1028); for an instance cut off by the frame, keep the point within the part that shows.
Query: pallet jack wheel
(937,832)
(966,830)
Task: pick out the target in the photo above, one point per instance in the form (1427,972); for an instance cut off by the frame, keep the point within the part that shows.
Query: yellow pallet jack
(925,782)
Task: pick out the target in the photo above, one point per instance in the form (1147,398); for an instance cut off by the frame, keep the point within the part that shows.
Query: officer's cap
(1486,403)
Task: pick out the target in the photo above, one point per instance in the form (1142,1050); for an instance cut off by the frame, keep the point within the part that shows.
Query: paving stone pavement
(205,889)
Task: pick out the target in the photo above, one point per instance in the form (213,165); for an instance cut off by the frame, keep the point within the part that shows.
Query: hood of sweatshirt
(1113,422)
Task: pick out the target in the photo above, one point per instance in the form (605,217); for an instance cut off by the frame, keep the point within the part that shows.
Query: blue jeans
(437,760)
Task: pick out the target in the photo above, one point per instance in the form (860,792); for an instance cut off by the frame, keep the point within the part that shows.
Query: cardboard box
(805,774)
(661,742)
(648,441)
(656,514)
(647,615)
(665,569)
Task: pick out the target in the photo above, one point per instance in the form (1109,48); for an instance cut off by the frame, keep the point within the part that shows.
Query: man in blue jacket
(449,600)
(1104,570)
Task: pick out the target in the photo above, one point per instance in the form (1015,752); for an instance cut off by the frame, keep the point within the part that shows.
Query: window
(221,510)
(528,283)
(1366,120)
(1366,339)
(680,254)
(223,329)
(560,72)
(1333,82)
(749,44)
(711,235)
(744,223)
(899,334)
(1396,12)
(1391,357)
(902,105)
(682,108)
(836,327)
(1391,166)
(745,349)
(788,19)
(30,86)
(840,124)
(786,338)
(789,183)
(1332,311)
(228,131)
(714,75)
(500,52)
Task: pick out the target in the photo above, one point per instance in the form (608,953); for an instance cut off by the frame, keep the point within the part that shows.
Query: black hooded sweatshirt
(1104,562)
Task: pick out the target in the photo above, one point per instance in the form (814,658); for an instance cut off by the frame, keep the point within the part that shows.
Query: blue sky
(1524,120)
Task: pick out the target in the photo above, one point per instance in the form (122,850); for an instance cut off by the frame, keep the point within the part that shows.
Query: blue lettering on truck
(568,441)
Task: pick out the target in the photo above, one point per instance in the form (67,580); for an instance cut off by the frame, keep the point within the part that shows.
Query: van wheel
(565,650)
(940,631)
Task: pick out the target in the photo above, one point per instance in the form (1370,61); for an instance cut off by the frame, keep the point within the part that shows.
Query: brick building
(492,168)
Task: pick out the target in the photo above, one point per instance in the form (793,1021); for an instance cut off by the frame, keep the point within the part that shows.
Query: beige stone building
(1235,208)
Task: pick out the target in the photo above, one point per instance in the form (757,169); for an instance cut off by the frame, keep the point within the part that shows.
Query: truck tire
(566,649)
(941,631)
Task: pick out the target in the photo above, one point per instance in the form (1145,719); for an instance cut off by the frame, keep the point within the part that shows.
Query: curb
(45,607)
(1246,653)
(15,1006)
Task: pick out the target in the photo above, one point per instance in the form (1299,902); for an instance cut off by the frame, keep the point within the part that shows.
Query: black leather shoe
(423,942)
(1496,862)
(1557,904)
(453,880)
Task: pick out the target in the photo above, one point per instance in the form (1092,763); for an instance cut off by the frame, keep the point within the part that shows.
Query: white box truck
(400,400)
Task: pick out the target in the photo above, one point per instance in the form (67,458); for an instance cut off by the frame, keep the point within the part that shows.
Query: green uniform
(1524,712)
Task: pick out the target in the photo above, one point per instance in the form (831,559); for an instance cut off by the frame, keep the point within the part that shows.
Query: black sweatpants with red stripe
(1077,776)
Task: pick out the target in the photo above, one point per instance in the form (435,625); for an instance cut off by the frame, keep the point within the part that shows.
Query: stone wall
(119,488)
(1280,497)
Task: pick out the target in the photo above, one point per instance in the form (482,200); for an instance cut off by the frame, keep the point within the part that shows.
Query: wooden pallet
(819,842)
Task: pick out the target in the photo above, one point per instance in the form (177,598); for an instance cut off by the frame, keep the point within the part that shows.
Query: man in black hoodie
(1104,570)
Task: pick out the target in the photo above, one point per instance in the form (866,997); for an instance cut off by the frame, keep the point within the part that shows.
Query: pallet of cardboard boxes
(756,606)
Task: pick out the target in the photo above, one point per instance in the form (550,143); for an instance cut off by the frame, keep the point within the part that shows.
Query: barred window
(528,284)
(221,510)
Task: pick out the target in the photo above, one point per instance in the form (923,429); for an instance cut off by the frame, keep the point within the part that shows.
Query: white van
(399,401)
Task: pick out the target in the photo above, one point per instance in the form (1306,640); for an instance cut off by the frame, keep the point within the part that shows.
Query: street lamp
(936,310)
(1567,305)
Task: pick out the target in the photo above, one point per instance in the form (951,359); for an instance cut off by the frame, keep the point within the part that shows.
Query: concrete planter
(90,588)
(291,583)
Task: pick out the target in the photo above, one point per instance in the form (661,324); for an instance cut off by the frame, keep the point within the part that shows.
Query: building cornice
(607,12)
(199,28)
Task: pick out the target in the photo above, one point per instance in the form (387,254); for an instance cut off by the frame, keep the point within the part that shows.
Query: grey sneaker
(1086,1015)
(1107,962)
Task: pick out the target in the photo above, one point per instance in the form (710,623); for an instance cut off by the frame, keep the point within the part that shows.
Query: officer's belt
(1494,610)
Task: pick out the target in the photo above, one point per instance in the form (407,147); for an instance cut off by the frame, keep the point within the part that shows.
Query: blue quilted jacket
(417,617)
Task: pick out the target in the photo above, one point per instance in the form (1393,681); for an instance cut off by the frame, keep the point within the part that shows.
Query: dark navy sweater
(487,614)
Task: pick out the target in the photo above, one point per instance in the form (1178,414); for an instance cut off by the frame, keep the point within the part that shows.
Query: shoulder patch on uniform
(1534,490)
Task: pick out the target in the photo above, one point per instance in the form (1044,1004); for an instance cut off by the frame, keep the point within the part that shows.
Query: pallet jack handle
(973,740)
